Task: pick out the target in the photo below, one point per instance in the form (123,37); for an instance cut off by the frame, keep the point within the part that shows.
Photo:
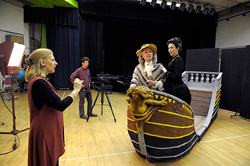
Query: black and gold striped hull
(168,134)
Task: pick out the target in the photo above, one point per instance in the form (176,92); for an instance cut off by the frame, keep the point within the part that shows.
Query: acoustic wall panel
(232,62)
(202,60)
(245,96)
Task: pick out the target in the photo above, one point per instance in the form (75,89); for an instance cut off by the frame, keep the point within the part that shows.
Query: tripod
(102,90)
(14,131)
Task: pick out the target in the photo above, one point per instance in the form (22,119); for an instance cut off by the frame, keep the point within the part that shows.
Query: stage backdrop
(129,25)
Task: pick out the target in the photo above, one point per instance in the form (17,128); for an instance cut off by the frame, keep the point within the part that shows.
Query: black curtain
(111,32)
(64,42)
(54,16)
(91,44)
(129,25)
(62,28)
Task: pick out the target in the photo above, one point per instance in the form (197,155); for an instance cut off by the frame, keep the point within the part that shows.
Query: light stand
(103,91)
(11,55)
(1,85)
(14,131)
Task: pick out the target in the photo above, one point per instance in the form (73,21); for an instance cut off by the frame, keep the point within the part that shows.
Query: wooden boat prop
(163,127)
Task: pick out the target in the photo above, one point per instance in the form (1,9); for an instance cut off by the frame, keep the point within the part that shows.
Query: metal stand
(102,90)
(14,131)
(235,114)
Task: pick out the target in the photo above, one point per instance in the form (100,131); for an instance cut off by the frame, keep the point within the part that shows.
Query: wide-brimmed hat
(152,46)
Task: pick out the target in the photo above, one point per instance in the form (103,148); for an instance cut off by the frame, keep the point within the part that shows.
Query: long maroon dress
(46,135)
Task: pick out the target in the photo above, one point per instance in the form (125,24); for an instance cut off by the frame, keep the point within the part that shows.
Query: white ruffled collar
(149,64)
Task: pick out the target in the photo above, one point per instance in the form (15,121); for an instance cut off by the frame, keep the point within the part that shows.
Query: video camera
(103,78)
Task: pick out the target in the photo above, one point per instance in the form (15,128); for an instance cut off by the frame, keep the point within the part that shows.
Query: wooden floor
(104,142)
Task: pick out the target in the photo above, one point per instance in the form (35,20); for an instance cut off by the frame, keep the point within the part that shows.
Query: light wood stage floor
(103,142)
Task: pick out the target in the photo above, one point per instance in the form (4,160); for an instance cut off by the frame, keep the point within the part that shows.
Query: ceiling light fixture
(143,2)
(190,8)
(173,5)
(198,9)
(212,11)
(205,11)
(163,4)
(169,3)
(182,6)
(153,3)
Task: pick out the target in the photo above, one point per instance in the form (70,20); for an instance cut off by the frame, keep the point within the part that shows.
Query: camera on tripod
(103,78)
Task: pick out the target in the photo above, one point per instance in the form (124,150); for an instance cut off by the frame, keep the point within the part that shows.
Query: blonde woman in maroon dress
(46,135)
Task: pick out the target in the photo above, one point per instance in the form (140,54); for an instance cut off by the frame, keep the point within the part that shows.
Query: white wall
(233,33)
(12,22)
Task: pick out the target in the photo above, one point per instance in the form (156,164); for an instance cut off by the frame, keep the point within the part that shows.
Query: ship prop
(165,128)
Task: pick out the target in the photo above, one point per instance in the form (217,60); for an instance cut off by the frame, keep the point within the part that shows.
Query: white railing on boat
(204,81)
(200,79)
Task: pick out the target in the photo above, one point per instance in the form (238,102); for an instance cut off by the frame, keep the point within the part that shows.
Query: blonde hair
(34,67)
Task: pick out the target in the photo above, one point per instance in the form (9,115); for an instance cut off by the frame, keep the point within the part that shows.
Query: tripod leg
(102,99)
(95,100)
(93,105)
(110,105)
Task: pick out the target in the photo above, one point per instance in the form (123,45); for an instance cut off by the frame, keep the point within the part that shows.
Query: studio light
(153,3)
(212,11)
(11,55)
(198,9)
(190,8)
(182,7)
(143,2)
(173,5)
(205,11)
(163,4)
